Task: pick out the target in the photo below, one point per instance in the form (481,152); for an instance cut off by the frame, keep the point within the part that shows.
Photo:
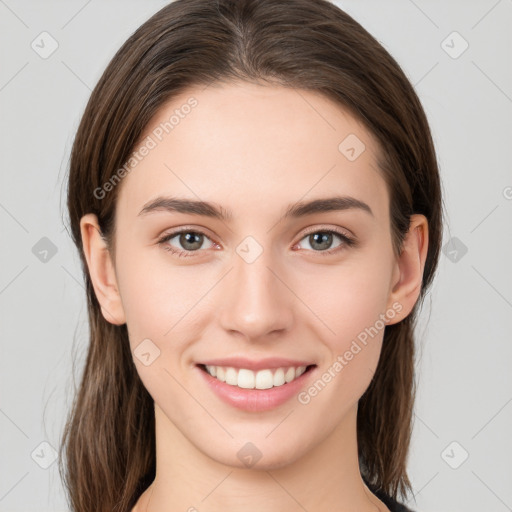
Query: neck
(327,477)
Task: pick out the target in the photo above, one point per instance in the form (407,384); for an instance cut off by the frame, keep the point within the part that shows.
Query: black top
(393,505)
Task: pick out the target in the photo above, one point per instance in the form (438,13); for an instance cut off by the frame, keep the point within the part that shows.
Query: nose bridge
(255,302)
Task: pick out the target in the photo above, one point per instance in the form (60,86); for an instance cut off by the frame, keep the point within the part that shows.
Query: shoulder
(392,504)
(395,506)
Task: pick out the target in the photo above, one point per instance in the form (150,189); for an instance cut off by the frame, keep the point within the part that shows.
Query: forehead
(248,146)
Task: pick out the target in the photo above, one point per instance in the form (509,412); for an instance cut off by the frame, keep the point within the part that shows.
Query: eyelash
(347,241)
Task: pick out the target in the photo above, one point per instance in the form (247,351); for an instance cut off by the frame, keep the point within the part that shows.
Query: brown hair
(109,439)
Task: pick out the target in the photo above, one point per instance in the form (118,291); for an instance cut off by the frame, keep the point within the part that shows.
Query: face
(313,286)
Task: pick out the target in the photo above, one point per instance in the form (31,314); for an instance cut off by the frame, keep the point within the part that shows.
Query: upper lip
(261,364)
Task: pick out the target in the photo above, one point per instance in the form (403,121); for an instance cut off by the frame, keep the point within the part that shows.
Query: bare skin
(255,150)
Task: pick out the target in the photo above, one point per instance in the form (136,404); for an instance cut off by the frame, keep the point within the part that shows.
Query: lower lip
(255,400)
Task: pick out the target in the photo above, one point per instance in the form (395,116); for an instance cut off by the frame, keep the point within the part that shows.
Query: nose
(256,301)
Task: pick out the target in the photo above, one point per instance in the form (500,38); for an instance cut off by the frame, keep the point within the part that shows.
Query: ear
(101,270)
(408,269)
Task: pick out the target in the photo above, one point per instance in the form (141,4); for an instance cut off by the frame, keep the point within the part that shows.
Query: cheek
(359,301)
(159,300)
(353,308)
(148,276)
(162,307)
(351,296)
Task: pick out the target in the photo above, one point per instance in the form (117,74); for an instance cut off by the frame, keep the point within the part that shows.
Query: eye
(189,240)
(322,240)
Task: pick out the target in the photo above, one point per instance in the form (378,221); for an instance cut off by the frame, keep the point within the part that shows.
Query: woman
(255,198)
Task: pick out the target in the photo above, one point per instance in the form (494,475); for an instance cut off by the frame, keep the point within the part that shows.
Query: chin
(258,453)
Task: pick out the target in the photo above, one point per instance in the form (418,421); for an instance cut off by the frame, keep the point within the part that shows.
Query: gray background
(464,399)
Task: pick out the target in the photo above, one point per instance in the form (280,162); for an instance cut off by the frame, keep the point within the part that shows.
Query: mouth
(262,379)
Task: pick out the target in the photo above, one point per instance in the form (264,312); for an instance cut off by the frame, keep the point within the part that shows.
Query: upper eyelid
(338,230)
(186,229)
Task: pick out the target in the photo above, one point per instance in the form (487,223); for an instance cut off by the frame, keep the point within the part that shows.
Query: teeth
(220,373)
(231,376)
(279,379)
(262,379)
(245,379)
(290,374)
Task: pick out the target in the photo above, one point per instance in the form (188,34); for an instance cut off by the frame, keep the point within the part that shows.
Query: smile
(256,385)
(249,379)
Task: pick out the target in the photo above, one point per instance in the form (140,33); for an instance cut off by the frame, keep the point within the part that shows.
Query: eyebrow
(296,210)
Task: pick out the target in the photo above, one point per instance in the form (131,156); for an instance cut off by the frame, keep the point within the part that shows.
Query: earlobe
(101,270)
(408,274)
